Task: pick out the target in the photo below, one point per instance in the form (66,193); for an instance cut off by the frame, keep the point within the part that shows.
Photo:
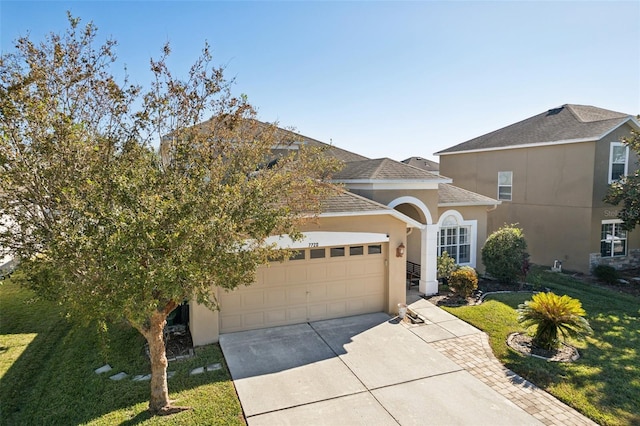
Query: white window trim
(510,186)
(615,222)
(626,160)
(473,224)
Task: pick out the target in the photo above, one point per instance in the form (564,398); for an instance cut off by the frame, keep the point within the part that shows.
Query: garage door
(320,283)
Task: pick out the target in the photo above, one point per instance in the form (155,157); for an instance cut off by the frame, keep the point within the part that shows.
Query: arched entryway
(421,244)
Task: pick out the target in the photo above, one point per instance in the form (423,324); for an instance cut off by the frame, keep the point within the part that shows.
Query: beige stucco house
(353,258)
(551,173)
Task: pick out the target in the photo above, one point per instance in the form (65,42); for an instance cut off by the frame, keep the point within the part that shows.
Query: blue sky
(384,79)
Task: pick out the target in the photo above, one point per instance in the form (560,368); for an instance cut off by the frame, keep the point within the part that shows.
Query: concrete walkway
(469,348)
(368,369)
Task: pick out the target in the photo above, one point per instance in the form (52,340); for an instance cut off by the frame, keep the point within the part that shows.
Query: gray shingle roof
(383,169)
(568,122)
(449,195)
(348,202)
(334,151)
(422,163)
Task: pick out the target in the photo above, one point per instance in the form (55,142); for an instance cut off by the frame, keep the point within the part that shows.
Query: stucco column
(203,323)
(428,264)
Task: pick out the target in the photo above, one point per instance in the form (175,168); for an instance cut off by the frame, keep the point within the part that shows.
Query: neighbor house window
(455,240)
(613,239)
(504,185)
(618,160)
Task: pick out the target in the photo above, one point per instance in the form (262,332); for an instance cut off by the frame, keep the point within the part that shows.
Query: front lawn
(47,372)
(604,384)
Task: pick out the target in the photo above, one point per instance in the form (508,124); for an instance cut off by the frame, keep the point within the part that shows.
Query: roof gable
(568,123)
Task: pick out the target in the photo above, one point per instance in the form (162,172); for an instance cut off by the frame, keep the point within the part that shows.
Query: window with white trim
(613,239)
(505,180)
(618,161)
(455,240)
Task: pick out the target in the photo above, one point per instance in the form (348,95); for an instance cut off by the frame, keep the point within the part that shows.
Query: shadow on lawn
(53,380)
(609,368)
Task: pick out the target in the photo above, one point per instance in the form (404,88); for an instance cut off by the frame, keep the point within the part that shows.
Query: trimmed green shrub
(446,265)
(464,280)
(554,317)
(505,254)
(606,273)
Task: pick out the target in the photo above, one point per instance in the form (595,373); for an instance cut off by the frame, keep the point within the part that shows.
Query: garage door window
(299,255)
(337,251)
(376,249)
(356,250)
(317,253)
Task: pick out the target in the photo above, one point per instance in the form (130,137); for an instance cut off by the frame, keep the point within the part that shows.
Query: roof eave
(472,204)
(528,145)
(411,223)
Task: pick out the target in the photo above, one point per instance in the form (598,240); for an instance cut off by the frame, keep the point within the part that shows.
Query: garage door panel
(276,297)
(296,295)
(274,275)
(304,290)
(231,322)
(317,311)
(253,299)
(356,268)
(232,299)
(337,270)
(317,292)
(316,272)
(296,274)
(374,268)
(336,290)
(254,319)
(278,316)
(297,314)
(336,309)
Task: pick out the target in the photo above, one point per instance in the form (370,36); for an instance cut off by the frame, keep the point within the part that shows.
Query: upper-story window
(618,160)
(505,180)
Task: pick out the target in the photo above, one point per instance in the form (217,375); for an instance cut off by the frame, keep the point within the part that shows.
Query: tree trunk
(159,400)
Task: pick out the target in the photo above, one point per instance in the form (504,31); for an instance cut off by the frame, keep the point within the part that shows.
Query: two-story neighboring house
(551,172)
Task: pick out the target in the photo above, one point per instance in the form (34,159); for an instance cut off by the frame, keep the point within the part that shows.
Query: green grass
(604,384)
(47,364)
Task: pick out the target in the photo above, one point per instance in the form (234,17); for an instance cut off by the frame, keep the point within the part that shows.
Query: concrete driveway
(368,370)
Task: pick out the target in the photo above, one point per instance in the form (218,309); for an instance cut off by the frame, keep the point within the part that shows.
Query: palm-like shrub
(464,281)
(554,317)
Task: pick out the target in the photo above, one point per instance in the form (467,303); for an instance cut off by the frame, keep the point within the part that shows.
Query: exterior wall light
(400,250)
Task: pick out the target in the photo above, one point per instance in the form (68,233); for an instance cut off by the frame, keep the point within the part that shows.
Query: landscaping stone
(142,378)
(214,367)
(103,369)
(119,376)
(198,370)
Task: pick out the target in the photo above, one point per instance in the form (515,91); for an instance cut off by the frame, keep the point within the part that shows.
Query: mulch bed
(524,344)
